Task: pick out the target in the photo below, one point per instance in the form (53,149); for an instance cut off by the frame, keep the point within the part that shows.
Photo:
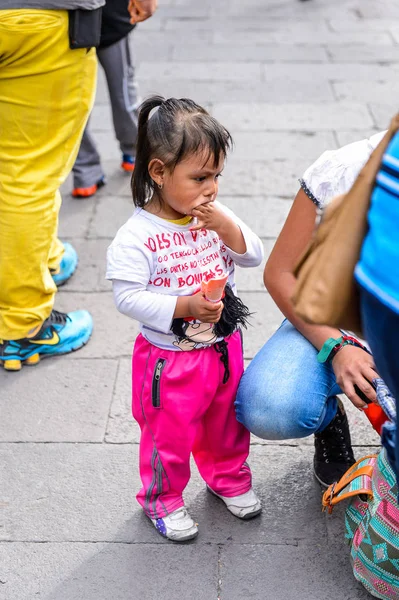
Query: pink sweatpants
(182,406)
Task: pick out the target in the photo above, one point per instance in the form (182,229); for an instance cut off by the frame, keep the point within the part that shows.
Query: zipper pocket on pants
(156,382)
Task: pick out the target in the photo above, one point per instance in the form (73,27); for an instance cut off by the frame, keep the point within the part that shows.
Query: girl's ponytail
(142,184)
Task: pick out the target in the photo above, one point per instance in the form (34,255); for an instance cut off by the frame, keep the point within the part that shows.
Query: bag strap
(333,495)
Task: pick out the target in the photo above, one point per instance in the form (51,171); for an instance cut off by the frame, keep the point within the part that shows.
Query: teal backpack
(371,519)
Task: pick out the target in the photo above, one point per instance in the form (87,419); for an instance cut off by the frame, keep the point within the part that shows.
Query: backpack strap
(356,481)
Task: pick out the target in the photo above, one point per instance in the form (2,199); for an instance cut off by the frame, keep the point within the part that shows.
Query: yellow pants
(46,94)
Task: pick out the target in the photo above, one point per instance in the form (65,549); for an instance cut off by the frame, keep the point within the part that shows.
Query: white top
(152,261)
(335,171)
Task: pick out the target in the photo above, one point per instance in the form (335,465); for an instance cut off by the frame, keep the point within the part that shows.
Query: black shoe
(333,449)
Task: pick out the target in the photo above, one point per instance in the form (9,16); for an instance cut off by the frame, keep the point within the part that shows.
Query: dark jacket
(115,22)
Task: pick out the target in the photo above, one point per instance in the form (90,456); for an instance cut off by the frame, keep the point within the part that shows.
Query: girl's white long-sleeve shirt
(152,261)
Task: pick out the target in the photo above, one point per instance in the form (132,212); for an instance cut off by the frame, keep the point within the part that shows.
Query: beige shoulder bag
(325,293)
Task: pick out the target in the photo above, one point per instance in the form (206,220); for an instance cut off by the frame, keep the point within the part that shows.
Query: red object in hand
(376,416)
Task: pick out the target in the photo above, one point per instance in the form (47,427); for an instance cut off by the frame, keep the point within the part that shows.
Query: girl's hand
(209,216)
(353,366)
(203,310)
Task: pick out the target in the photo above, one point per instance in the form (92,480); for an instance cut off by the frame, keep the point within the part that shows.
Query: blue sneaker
(60,333)
(128,162)
(67,266)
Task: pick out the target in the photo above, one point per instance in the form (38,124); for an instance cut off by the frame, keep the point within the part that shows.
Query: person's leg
(118,66)
(46,93)
(381,328)
(169,400)
(285,393)
(221,447)
(87,170)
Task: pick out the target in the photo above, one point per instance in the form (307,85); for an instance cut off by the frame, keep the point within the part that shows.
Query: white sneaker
(245,506)
(177,526)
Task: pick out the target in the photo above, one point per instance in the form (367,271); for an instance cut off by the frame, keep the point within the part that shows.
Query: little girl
(186,370)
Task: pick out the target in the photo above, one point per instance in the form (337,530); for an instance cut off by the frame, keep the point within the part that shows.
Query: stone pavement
(290,80)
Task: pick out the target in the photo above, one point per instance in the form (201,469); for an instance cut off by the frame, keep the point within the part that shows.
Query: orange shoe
(128,163)
(86,192)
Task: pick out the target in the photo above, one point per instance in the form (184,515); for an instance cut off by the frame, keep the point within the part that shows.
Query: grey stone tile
(265,215)
(362,91)
(272,145)
(317,37)
(63,399)
(357,24)
(363,54)
(103,571)
(248,52)
(265,320)
(329,71)
(286,9)
(113,334)
(383,113)
(283,90)
(232,71)
(251,280)
(249,24)
(86,492)
(286,117)
(348,137)
(112,211)
(381,10)
(121,427)
(288,573)
(168,38)
(256,178)
(145,51)
(90,274)
(75,214)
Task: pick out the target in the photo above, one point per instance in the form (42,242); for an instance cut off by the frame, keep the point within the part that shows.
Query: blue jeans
(285,393)
(381,327)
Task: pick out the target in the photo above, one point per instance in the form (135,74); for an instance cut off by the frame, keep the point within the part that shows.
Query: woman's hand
(141,10)
(353,366)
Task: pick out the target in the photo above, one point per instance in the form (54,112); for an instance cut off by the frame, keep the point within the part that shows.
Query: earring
(160,185)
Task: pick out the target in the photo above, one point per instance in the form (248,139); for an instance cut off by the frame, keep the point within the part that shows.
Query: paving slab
(253,90)
(112,211)
(285,117)
(90,274)
(250,52)
(265,214)
(222,71)
(363,54)
(75,214)
(96,571)
(288,573)
(60,400)
(86,492)
(348,137)
(383,112)
(356,91)
(317,37)
(113,334)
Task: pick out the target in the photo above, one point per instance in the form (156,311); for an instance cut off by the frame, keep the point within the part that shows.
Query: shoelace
(57,318)
(334,443)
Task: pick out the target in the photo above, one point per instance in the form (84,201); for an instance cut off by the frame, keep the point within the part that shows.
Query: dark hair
(177,129)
